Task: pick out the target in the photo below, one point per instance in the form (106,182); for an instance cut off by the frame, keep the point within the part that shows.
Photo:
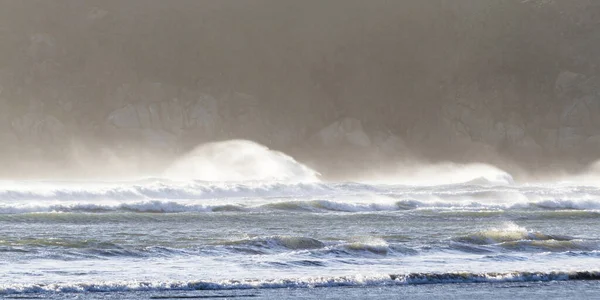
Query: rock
(249,122)
(154,92)
(40,129)
(280,137)
(593,142)
(167,126)
(125,117)
(551,120)
(173,116)
(514,133)
(549,138)
(119,97)
(42,46)
(581,112)
(526,145)
(96,14)
(581,95)
(389,144)
(160,140)
(450,133)
(10,143)
(477,124)
(203,114)
(570,138)
(347,131)
(499,133)
(476,151)
(566,81)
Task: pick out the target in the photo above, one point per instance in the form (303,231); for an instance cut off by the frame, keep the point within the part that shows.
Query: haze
(350,88)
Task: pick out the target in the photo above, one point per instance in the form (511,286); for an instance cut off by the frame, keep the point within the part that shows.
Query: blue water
(276,240)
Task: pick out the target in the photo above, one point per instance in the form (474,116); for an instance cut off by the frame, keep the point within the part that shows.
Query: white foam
(159,195)
(153,190)
(306,282)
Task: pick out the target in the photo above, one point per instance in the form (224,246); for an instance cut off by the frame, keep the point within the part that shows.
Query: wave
(73,249)
(157,206)
(511,239)
(352,248)
(309,282)
(65,249)
(266,244)
(424,174)
(239,160)
(313,206)
(510,233)
(370,245)
(158,189)
(136,207)
(166,196)
(516,238)
(340,206)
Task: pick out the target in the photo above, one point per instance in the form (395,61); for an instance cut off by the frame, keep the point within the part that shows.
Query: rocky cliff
(335,83)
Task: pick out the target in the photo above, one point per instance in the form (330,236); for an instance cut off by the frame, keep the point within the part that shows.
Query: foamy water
(157,234)
(246,227)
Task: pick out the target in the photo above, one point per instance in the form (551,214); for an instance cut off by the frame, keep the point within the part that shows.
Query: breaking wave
(155,189)
(274,243)
(239,160)
(510,233)
(168,196)
(299,247)
(310,282)
(446,174)
(370,245)
(359,247)
(516,238)
(312,206)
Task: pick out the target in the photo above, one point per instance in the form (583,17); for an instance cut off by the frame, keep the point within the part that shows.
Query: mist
(349,89)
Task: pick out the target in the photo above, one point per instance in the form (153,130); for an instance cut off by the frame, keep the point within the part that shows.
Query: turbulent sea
(156,237)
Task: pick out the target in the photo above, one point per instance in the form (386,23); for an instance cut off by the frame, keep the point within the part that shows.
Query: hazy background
(97,88)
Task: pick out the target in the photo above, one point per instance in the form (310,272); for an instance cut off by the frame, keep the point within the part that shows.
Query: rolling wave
(516,238)
(310,282)
(510,233)
(310,206)
(157,189)
(165,196)
(274,243)
(63,249)
(511,239)
(68,249)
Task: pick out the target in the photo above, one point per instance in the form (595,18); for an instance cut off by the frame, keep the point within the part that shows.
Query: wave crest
(516,238)
(309,282)
(265,244)
(510,233)
(239,160)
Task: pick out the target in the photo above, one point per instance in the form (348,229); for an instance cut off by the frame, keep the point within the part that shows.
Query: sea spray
(239,160)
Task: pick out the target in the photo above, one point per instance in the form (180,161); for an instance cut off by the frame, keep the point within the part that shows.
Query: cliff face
(139,82)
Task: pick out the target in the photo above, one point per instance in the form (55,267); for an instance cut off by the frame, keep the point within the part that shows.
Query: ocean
(161,239)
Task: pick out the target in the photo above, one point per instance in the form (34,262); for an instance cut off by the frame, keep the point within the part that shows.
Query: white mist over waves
(588,177)
(245,176)
(159,196)
(432,174)
(239,160)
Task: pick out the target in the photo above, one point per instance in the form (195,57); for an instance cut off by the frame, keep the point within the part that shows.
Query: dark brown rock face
(336,83)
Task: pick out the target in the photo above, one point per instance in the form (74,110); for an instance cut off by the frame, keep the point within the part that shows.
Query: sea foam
(307,282)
